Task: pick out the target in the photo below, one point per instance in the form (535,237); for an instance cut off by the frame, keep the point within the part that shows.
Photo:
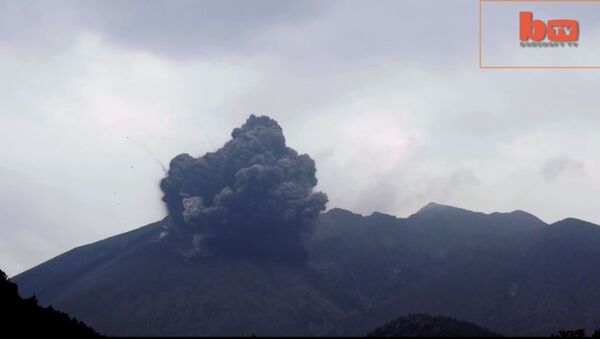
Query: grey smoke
(556,167)
(253,196)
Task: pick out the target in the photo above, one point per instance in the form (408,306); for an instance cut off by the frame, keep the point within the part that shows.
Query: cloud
(180,29)
(396,119)
(308,33)
(557,167)
(190,28)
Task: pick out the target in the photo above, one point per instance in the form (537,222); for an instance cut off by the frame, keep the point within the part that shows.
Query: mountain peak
(574,222)
(380,215)
(424,325)
(523,216)
(433,207)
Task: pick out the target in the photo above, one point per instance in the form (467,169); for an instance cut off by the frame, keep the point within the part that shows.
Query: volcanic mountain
(246,250)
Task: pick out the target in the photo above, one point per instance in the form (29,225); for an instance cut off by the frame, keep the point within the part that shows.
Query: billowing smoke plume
(253,196)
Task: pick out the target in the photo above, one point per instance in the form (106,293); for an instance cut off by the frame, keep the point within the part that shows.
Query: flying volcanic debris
(149,152)
(254,196)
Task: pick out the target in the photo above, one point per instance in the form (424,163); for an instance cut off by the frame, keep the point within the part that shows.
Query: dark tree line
(578,333)
(24,317)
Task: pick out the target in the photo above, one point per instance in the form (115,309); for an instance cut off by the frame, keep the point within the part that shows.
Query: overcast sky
(386,96)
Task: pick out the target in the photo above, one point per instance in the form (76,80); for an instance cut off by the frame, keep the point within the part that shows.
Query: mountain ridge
(362,271)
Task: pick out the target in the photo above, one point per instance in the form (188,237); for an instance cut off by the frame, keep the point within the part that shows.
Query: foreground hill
(24,318)
(509,272)
(423,325)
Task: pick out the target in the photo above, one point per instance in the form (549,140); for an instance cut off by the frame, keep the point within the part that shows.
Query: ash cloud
(253,196)
(557,167)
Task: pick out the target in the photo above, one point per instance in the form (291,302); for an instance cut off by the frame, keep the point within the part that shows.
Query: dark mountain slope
(24,317)
(138,283)
(509,272)
(50,278)
(423,325)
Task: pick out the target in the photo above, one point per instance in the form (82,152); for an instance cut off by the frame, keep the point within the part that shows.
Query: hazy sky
(386,96)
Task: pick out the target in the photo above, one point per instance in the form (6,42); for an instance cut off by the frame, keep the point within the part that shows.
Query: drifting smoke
(253,196)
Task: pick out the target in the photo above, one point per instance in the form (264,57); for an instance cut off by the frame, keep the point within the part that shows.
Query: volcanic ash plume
(254,195)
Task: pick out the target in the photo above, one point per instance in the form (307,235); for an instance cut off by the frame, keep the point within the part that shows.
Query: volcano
(247,249)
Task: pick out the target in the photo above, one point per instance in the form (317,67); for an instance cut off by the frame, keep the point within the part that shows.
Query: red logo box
(555,30)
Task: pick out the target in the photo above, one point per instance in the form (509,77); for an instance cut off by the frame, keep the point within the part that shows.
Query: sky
(387,96)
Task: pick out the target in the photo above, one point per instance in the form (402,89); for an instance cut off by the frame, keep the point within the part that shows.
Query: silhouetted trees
(578,333)
(24,317)
(425,325)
